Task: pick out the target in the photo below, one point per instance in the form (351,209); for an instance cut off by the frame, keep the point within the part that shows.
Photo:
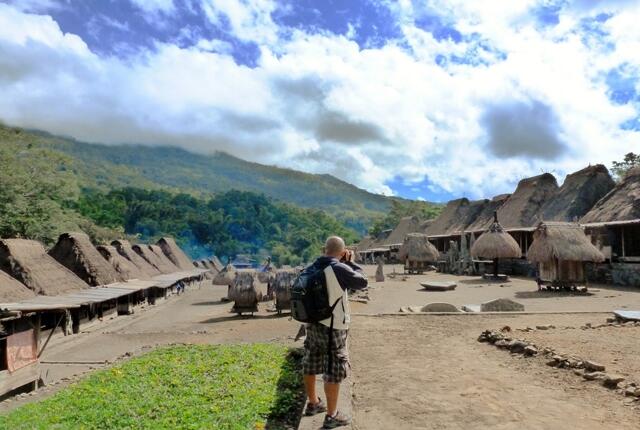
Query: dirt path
(429,372)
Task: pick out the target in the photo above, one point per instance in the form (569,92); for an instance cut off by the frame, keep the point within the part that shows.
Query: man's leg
(310,388)
(332,391)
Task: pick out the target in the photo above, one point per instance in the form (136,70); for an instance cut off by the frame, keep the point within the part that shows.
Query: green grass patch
(239,387)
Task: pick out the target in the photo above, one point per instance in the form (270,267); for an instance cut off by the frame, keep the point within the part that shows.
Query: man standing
(326,350)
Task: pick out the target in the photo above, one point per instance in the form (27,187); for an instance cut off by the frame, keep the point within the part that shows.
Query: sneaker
(315,408)
(338,420)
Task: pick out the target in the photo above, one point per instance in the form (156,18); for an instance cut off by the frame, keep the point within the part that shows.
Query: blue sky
(432,99)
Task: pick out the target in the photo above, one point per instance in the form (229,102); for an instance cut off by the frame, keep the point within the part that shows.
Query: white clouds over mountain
(464,99)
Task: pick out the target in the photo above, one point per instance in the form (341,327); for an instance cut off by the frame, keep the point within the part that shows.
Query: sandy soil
(390,295)
(429,372)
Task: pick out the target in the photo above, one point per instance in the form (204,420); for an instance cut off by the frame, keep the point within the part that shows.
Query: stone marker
(439,307)
(438,286)
(380,270)
(501,305)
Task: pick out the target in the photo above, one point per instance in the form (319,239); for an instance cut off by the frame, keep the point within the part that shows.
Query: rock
(592,366)
(632,392)
(502,343)
(501,305)
(404,309)
(439,307)
(612,381)
(611,319)
(530,350)
(545,327)
(578,372)
(593,376)
(517,346)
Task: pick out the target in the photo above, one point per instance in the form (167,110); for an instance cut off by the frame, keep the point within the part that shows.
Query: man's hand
(347,256)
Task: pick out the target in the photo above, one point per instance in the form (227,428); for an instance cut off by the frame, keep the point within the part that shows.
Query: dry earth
(410,372)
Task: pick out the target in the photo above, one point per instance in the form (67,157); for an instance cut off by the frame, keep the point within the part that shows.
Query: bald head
(334,247)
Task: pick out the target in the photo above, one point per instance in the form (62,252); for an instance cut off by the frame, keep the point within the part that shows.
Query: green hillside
(117,166)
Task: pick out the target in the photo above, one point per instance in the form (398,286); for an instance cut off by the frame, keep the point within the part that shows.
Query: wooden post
(495,268)
(623,244)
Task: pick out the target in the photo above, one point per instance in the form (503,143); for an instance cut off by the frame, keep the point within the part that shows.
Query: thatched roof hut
(495,243)
(416,247)
(122,265)
(217,264)
(484,219)
(562,241)
(620,204)
(168,264)
(174,253)
(409,224)
(456,217)
(524,207)
(578,194)
(12,290)
(365,244)
(126,250)
(424,225)
(76,252)
(152,259)
(28,262)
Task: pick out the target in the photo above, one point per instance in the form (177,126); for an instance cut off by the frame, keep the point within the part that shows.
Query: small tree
(620,168)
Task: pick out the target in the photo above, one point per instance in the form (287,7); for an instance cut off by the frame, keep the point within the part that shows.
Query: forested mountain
(211,204)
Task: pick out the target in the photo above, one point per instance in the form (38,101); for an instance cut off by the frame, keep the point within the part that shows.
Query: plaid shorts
(316,354)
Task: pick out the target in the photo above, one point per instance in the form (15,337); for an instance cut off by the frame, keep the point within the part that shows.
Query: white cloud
(155,6)
(322,104)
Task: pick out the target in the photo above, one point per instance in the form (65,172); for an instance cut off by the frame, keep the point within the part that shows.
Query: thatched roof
(456,217)
(175,254)
(409,224)
(416,247)
(621,204)
(564,241)
(365,243)
(12,290)
(121,264)
(28,262)
(126,250)
(424,225)
(164,259)
(76,252)
(152,259)
(524,207)
(484,219)
(217,264)
(578,194)
(495,243)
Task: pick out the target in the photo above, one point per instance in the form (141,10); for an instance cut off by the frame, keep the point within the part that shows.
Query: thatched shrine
(495,244)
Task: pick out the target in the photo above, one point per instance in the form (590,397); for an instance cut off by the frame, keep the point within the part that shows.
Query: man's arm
(350,276)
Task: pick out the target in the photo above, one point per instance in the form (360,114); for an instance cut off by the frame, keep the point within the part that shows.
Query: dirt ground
(429,372)
(392,294)
(409,372)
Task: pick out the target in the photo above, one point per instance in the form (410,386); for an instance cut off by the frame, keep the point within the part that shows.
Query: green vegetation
(620,168)
(400,209)
(235,387)
(226,224)
(118,166)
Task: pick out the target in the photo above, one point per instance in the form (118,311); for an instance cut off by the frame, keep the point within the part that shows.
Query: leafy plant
(620,168)
(180,387)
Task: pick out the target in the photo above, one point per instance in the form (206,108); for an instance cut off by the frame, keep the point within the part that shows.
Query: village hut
(28,262)
(125,268)
(126,250)
(76,252)
(578,194)
(454,219)
(175,253)
(486,216)
(152,259)
(417,253)
(409,224)
(12,290)
(226,276)
(495,244)
(244,293)
(283,282)
(217,264)
(523,209)
(560,249)
(166,263)
(614,224)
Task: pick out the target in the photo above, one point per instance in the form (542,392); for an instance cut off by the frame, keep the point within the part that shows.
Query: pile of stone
(589,370)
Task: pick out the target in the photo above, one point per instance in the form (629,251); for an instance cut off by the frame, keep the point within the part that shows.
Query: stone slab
(438,286)
(439,307)
(627,315)
(502,305)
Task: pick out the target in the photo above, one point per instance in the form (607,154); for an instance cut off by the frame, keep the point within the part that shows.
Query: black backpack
(310,297)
